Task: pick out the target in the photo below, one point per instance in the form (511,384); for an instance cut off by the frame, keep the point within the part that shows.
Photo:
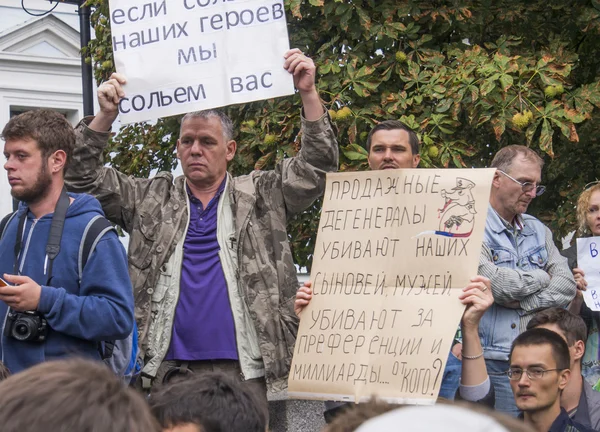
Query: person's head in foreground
(379,416)
(539,371)
(210,402)
(69,396)
(571,327)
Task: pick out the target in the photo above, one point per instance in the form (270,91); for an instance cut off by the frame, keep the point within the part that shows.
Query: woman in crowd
(588,218)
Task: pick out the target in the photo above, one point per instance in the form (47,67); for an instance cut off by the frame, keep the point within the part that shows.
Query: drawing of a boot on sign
(457,216)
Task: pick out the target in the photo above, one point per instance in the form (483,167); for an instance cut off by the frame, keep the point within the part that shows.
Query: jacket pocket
(140,243)
(538,258)
(502,258)
(252,337)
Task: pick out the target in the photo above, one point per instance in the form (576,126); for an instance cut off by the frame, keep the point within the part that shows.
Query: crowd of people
(203,308)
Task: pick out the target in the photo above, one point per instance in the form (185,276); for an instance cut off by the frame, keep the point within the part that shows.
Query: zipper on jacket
(20,267)
(243,297)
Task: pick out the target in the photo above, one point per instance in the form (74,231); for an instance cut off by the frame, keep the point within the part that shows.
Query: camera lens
(22,330)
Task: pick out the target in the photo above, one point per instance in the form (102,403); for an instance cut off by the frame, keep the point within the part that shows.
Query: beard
(37,191)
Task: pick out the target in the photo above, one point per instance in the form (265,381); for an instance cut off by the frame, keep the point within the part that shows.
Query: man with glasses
(579,399)
(519,257)
(539,372)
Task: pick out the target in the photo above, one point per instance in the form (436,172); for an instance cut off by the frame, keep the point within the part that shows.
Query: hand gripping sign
(187,55)
(394,250)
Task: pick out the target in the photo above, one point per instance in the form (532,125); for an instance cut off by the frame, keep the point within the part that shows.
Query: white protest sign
(187,55)
(394,250)
(589,261)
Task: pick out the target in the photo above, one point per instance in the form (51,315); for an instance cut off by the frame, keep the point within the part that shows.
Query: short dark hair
(50,129)
(213,401)
(542,336)
(77,395)
(573,326)
(504,158)
(413,139)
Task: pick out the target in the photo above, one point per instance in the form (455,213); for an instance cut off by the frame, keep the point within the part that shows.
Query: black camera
(27,326)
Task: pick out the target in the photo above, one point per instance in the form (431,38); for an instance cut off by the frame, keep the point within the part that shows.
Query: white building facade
(40,66)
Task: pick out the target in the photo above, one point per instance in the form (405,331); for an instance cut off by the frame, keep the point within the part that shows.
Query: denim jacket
(527,274)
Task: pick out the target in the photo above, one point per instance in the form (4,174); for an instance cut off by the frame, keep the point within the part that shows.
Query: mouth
(13,181)
(385,167)
(525,395)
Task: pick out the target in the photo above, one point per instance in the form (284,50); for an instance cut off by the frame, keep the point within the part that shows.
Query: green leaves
(445,68)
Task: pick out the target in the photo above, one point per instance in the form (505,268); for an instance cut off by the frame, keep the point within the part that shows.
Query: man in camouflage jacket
(253,250)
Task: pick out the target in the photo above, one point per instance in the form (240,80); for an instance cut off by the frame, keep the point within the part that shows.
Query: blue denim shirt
(527,273)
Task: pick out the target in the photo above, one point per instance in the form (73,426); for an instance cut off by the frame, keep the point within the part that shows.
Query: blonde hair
(583,207)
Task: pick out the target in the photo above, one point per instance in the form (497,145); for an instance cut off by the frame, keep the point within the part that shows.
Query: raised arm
(301,179)
(475,384)
(118,193)
(303,69)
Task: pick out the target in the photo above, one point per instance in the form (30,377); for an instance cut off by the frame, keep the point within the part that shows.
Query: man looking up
(520,259)
(53,308)
(538,374)
(209,258)
(579,399)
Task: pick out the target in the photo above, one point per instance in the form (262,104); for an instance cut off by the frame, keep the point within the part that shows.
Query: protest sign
(187,55)
(589,261)
(394,250)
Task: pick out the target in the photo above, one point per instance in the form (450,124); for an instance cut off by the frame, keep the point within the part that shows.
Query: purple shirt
(203,327)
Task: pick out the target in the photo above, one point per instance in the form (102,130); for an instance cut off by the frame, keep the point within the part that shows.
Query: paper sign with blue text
(394,250)
(180,56)
(589,261)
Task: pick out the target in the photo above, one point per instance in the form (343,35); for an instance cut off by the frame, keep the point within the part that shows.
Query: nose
(524,381)
(196,147)
(8,164)
(532,193)
(388,154)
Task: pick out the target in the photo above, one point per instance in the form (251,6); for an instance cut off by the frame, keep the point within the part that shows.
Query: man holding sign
(209,258)
(520,258)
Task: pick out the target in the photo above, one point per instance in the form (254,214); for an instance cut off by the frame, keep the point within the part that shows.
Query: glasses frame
(509,373)
(527,186)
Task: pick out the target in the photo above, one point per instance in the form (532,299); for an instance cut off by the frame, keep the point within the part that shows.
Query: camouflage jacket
(155,214)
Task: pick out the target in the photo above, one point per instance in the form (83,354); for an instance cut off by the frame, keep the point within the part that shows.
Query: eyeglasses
(527,186)
(533,373)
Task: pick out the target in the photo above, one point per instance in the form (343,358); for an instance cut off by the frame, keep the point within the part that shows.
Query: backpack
(121,355)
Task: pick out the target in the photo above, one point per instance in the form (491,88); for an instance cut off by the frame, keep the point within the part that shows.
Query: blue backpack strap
(5,220)
(95,229)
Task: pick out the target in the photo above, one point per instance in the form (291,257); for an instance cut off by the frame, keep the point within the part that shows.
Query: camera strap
(56,230)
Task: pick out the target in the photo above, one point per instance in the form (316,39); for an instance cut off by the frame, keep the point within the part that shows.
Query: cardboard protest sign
(589,261)
(187,55)
(394,250)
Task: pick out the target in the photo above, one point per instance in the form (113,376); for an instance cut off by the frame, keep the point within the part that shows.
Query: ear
(496,180)
(231,148)
(57,161)
(578,350)
(177,148)
(416,160)
(563,378)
